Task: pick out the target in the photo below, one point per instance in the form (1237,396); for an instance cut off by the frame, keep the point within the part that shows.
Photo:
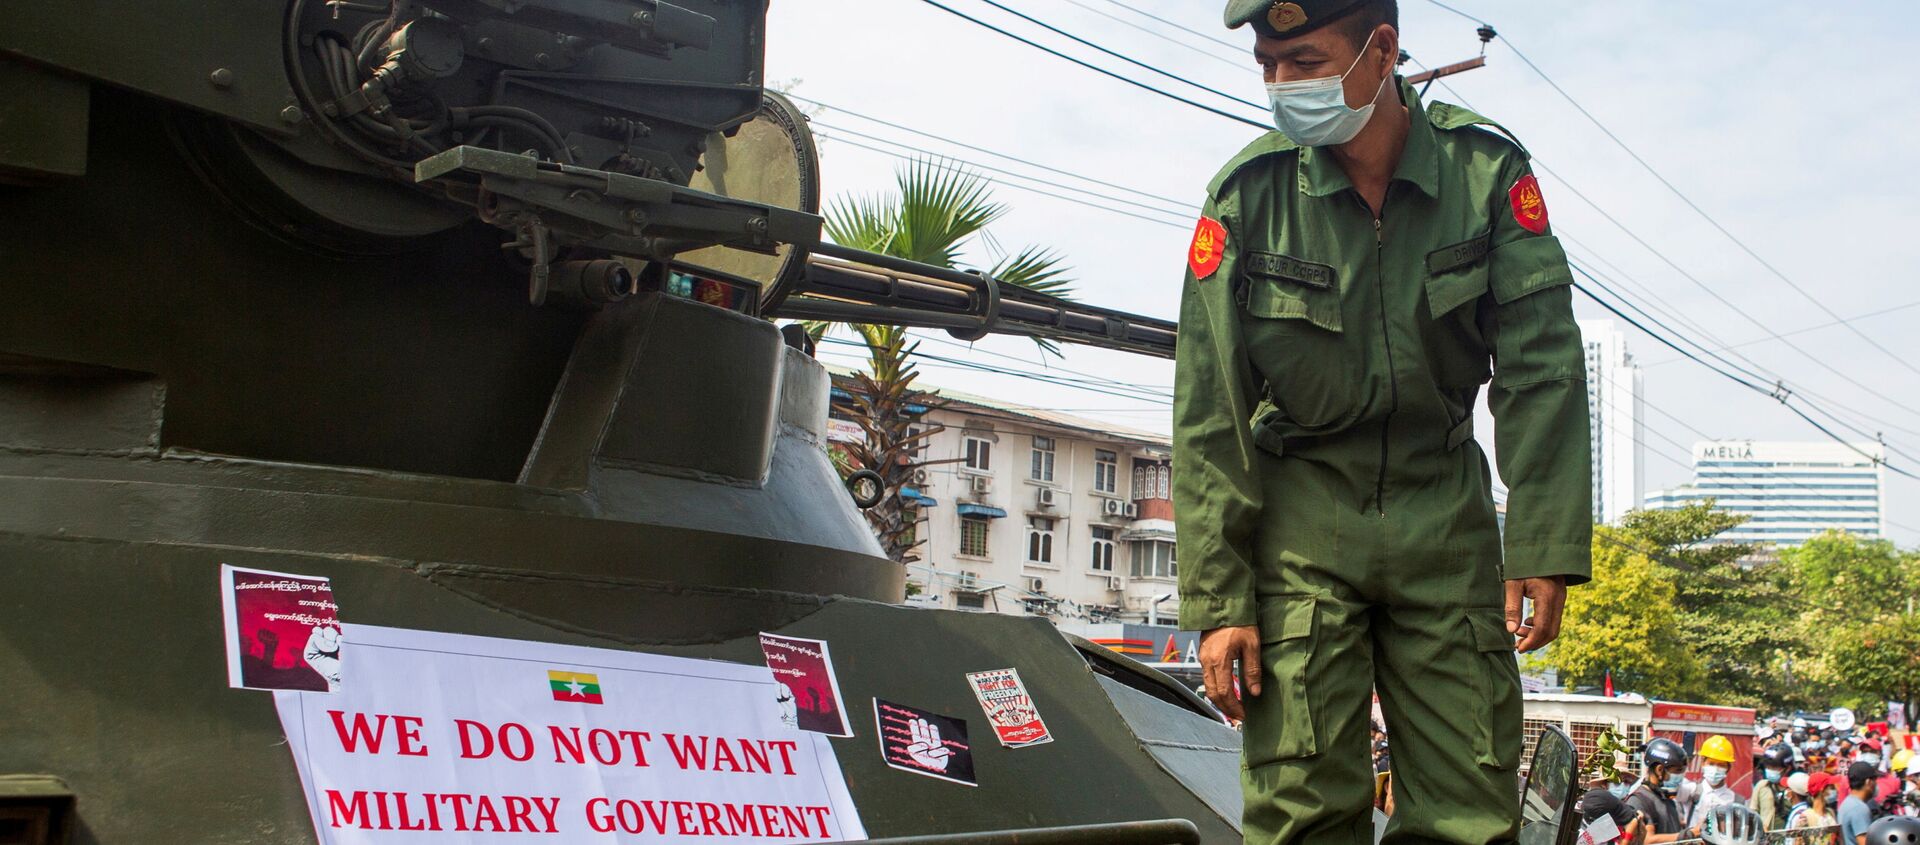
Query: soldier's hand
(1549,596)
(1218,649)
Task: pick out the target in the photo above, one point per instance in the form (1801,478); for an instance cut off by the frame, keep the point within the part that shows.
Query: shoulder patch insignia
(1529,208)
(1209,243)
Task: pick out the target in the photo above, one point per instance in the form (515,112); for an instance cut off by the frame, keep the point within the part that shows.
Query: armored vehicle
(392,294)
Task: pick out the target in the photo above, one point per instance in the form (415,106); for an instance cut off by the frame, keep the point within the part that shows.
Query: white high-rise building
(1789,492)
(1614,408)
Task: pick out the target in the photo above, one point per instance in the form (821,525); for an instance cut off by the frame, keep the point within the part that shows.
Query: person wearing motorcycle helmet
(1623,826)
(1663,766)
(1911,794)
(1769,799)
(1716,762)
(1731,824)
(1893,830)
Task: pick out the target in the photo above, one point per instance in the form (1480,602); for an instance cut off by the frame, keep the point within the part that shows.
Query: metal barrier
(1159,832)
(1797,836)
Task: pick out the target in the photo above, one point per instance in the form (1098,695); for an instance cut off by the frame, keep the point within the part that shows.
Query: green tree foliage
(1858,601)
(1624,623)
(1737,618)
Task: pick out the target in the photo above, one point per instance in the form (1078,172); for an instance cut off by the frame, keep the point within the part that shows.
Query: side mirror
(1546,800)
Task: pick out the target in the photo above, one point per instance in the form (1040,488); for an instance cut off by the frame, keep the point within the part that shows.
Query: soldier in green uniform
(1354,281)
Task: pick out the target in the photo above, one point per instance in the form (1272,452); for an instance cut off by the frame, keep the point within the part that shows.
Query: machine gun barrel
(850,285)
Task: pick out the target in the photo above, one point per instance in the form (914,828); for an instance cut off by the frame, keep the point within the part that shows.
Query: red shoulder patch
(1209,243)
(1529,208)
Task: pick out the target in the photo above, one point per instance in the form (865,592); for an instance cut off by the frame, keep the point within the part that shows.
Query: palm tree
(935,213)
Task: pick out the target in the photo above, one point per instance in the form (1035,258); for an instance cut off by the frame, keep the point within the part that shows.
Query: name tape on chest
(1276,266)
(1459,255)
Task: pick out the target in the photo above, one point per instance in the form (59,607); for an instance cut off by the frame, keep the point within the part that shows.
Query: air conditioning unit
(1044,496)
(982,485)
(1116,583)
(920,477)
(1112,507)
(967,581)
(1037,586)
(1130,510)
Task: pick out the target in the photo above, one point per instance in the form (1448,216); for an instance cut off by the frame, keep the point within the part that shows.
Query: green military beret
(1286,18)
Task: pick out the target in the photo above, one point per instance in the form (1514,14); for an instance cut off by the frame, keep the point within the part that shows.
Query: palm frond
(1041,270)
(816,329)
(1035,268)
(871,223)
(941,206)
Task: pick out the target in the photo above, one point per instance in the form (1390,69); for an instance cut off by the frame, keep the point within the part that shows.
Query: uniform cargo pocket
(1296,344)
(1280,724)
(1497,729)
(1454,288)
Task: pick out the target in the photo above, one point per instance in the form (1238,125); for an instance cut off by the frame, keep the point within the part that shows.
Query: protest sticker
(283,631)
(1010,709)
(809,695)
(924,742)
(447,738)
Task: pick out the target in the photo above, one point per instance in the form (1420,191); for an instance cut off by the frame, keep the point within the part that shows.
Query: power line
(1608,216)
(1020,187)
(1093,67)
(1678,316)
(1091,385)
(1195,207)
(1122,57)
(1645,165)
(1778,395)
(1241,65)
(1880,313)
(1157,388)
(988,167)
(1147,14)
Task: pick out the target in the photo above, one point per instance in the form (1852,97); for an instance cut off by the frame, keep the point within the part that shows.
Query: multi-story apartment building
(1789,492)
(1615,423)
(1035,512)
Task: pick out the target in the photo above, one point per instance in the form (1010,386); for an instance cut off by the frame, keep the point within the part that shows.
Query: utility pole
(1426,77)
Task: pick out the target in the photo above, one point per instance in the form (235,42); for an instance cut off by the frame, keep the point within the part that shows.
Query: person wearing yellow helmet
(1716,760)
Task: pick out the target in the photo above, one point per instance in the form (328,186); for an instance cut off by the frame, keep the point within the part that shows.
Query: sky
(1790,125)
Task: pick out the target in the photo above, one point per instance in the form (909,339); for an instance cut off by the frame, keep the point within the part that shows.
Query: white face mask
(1714,775)
(1314,112)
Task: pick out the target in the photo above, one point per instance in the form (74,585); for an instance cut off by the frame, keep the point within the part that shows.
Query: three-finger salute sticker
(924,742)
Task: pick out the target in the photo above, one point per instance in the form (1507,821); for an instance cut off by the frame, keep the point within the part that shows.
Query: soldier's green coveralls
(1328,487)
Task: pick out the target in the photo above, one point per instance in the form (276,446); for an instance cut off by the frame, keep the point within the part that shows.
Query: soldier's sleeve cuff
(1574,561)
(1207,612)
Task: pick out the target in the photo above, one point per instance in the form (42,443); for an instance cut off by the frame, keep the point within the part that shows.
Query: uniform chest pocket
(1457,277)
(1295,339)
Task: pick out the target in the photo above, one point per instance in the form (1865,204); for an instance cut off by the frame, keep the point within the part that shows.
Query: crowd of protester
(1833,785)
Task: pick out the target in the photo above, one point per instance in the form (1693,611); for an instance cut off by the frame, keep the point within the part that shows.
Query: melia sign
(441,737)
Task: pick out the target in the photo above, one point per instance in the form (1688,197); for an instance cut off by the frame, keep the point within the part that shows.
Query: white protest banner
(449,738)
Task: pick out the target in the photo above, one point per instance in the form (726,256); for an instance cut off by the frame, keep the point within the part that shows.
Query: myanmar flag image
(574,686)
